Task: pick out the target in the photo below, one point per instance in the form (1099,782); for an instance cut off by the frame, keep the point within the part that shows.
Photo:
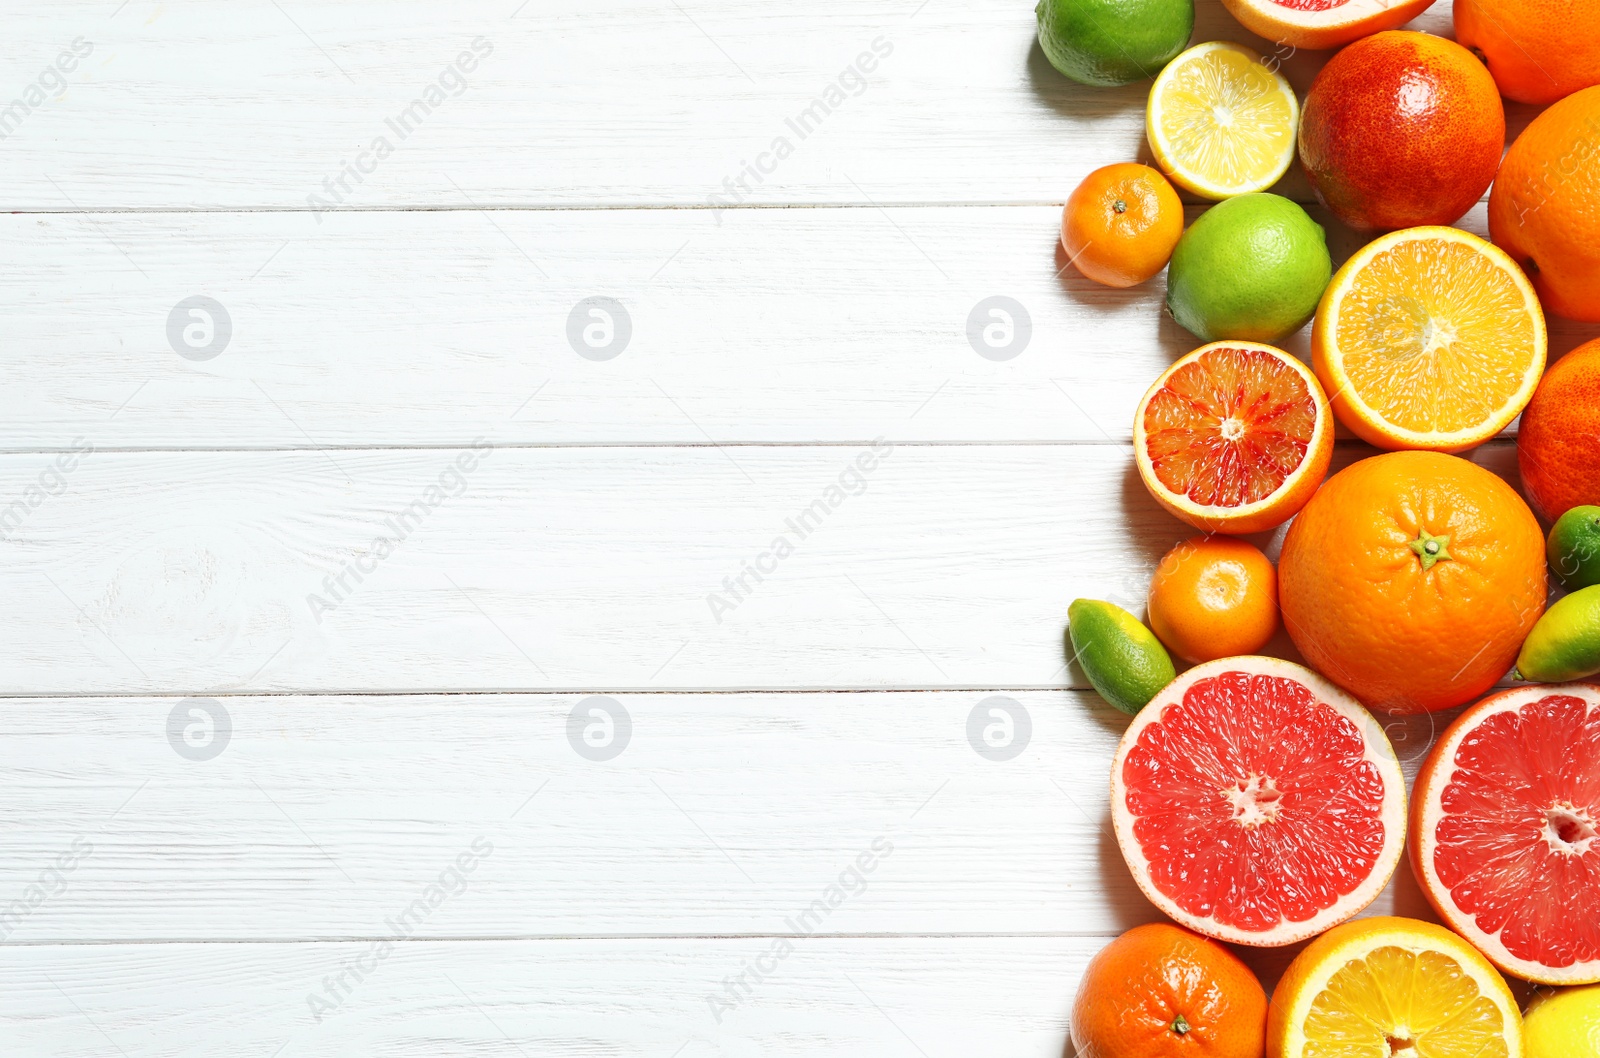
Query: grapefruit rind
(1358,414)
(1310,972)
(1432,780)
(1327,28)
(1272,510)
(1378,752)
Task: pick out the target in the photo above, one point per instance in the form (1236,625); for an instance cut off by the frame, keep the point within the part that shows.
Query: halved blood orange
(1234,437)
(1505,833)
(1257,803)
(1321,23)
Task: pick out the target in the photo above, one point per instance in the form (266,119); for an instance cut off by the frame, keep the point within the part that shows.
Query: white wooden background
(176,514)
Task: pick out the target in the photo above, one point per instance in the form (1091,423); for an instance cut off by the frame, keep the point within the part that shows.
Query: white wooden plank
(429,328)
(561,568)
(255,104)
(570,568)
(884,996)
(323,817)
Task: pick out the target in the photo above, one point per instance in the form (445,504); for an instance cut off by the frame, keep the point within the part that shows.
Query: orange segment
(1234,437)
(1429,338)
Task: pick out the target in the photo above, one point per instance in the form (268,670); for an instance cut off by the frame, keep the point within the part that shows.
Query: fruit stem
(1120,206)
(1430,548)
(1180,1025)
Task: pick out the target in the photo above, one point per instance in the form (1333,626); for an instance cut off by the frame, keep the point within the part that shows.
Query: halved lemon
(1429,338)
(1384,987)
(1221,121)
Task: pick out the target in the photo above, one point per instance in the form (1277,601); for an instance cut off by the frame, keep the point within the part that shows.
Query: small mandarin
(1160,991)
(1214,597)
(1121,224)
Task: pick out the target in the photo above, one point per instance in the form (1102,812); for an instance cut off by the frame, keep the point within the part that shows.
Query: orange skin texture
(1545,207)
(1539,51)
(1260,18)
(1558,444)
(1122,247)
(1137,986)
(1402,129)
(1214,597)
(1359,605)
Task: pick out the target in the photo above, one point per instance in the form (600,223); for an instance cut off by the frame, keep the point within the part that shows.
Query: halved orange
(1234,437)
(1429,338)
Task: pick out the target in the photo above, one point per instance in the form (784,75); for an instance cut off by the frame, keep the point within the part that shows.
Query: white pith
(1429,799)
(1378,752)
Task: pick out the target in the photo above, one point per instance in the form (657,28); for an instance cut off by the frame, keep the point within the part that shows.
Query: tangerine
(1214,597)
(1560,435)
(1121,224)
(1160,991)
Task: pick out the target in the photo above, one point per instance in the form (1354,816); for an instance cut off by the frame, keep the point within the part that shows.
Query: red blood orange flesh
(1294,24)
(1257,803)
(1505,833)
(1234,437)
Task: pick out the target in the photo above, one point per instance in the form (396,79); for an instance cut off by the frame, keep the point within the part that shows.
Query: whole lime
(1123,659)
(1564,1024)
(1112,42)
(1250,269)
(1565,644)
(1574,548)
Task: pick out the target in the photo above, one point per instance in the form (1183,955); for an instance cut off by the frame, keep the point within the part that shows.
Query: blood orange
(1234,437)
(1255,802)
(1503,834)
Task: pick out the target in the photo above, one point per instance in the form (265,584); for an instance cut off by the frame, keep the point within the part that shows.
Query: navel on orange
(1429,338)
(1234,437)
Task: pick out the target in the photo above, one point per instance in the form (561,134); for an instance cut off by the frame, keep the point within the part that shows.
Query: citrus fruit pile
(1256,800)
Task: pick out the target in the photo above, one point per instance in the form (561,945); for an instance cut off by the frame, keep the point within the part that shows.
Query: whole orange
(1545,207)
(1411,580)
(1401,129)
(1160,991)
(1214,597)
(1121,224)
(1537,50)
(1558,444)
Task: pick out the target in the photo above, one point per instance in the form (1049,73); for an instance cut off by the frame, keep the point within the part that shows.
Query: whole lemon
(1565,1024)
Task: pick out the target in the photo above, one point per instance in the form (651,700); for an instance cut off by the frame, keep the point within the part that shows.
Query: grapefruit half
(1505,834)
(1234,437)
(1322,23)
(1257,803)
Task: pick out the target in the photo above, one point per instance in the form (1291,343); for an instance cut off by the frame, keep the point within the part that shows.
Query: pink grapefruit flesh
(1257,803)
(1506,831)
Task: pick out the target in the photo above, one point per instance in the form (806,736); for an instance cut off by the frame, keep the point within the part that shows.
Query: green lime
(1574,548)
(1565,644)
(1122,658)
(1112,42)
(1250,269)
